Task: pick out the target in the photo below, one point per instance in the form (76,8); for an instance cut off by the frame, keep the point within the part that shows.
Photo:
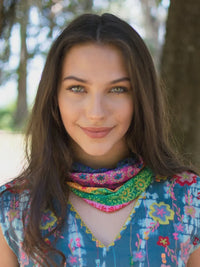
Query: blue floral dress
(162,230)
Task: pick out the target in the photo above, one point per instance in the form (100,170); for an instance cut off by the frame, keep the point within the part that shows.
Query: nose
(96,107)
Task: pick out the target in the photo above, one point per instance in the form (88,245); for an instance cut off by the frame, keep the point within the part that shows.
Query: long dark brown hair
(48,153)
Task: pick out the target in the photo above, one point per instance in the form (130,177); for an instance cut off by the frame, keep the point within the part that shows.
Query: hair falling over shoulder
(48,152)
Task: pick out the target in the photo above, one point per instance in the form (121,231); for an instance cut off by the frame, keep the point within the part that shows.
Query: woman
(102,186)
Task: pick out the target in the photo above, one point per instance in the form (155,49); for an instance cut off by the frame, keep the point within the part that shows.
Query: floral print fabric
(114,198)
(162,230)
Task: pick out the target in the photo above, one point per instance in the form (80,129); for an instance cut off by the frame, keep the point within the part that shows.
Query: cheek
(66,111)
(126,113)
(68,117)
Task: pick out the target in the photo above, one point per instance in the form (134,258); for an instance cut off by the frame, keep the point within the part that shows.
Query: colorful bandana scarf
(110,193)
(108,178)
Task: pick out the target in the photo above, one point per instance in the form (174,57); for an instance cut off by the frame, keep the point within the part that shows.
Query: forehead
(90,47)
(94,57)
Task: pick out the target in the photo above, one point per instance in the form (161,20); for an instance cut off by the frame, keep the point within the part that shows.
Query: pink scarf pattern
(112,179)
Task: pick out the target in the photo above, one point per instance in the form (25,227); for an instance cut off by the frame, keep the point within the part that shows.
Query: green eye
(119,90)
(77,89)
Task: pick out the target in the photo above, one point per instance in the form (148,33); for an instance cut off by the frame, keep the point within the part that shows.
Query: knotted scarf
(110,189)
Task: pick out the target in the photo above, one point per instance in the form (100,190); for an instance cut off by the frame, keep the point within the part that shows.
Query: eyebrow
(75,78)
(71,77)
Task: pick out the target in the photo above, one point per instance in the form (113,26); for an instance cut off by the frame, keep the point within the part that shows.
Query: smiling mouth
(97,132)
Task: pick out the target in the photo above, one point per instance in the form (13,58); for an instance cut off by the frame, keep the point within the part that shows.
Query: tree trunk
(88,5)
(152,24)
(22,107)
(1,17)
(180,70)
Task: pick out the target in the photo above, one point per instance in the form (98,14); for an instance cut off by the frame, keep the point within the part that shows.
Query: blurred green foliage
(7,118)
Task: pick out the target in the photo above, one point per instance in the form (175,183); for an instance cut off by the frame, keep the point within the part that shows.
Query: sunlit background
(130,10)
(46,19)
(11,145)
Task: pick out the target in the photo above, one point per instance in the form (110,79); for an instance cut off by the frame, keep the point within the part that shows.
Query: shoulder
(13,190)
(172,206)
(186,182)
(7,194)
(182,188)
(187,179)
(179,181)
(13,201)
(178,196)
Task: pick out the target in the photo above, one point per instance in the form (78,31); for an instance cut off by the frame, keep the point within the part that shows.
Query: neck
(110,160)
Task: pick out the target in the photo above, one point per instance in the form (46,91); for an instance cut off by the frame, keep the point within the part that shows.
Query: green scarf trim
(121,195)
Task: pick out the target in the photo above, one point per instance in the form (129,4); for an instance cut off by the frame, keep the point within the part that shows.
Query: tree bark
(1,17)
(22,107)
(180,70)
(152,24)
(87,5)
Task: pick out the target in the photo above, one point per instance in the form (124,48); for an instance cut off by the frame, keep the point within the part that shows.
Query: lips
(97,132)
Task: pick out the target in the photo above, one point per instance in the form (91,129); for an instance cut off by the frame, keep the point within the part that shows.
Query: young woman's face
(95,100)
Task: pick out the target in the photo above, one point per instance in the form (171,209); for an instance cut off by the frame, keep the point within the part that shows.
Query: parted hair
(48,152)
